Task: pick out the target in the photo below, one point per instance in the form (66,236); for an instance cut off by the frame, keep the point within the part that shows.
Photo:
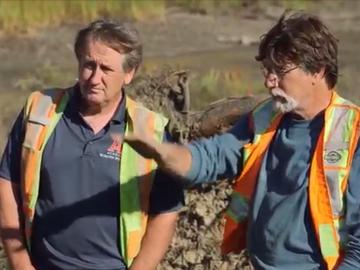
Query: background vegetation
(23,15)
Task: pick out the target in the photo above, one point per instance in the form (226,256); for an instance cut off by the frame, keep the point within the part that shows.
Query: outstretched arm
(204,160)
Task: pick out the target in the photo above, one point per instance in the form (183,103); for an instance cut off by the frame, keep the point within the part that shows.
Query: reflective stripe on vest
(43,110)
(136,181)
(329,172)
(266,121)
(41,113)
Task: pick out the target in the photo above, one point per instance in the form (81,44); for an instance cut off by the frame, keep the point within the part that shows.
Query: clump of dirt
(168,92)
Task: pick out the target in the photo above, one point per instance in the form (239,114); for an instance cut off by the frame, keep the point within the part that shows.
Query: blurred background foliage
(24,15)
(28,17)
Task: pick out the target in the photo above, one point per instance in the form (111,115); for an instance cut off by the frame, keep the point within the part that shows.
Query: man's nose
(96,76)
(271,81)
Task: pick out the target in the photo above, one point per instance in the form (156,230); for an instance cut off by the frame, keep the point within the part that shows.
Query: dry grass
(24,15)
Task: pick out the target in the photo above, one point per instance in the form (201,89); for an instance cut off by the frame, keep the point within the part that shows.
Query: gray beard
(282,102)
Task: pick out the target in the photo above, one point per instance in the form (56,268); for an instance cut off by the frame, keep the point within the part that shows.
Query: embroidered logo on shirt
(114,150)
(332,157)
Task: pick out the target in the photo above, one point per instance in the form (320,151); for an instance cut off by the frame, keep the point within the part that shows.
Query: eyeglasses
(280,73)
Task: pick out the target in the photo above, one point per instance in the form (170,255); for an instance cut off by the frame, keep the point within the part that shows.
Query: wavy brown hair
(120,36)
(301,39)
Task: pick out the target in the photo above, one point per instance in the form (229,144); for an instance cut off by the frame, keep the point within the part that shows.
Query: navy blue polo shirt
(76,222)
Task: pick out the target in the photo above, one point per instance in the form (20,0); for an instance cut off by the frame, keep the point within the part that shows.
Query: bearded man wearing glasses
(296,201)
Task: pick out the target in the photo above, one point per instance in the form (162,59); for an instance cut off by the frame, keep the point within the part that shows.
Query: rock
(192,256)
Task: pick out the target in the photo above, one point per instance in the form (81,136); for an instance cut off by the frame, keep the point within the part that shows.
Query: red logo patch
(114,150)
(115,147)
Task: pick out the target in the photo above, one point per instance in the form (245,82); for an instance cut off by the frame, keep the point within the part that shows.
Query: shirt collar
(74,105)
(119,115)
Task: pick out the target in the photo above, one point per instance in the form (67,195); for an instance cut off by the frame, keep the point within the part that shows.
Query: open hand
(144,145)
(171,157)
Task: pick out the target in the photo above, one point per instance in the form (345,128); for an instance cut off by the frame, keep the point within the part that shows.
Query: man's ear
(318,76)
(129,75)
(321,74)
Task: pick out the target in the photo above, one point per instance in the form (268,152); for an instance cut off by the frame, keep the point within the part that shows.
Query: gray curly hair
(120,36)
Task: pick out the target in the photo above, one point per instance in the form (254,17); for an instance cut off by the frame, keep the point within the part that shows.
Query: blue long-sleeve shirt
(281,234)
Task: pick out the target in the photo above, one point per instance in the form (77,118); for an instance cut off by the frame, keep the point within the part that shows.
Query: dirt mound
(199,233)
(167,91)
(200,226)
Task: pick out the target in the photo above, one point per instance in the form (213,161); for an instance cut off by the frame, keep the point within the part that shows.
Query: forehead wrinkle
(101,54)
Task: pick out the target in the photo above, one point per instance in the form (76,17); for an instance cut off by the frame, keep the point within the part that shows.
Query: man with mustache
(296,200)
(72,194)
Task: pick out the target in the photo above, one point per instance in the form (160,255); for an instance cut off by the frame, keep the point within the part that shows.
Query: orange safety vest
(42,112)
(329,172)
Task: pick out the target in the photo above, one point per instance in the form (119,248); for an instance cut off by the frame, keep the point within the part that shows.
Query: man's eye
(106,69)
(89,65)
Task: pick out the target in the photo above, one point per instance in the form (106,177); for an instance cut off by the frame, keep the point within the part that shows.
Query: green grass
(209,6)
(296,4)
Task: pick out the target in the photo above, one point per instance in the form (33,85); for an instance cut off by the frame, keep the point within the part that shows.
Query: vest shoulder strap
(338,100)
(38,113)
(262,117)
(143,119)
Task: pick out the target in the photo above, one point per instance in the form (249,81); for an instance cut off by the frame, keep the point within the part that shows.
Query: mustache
(278,92)
(283,102)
